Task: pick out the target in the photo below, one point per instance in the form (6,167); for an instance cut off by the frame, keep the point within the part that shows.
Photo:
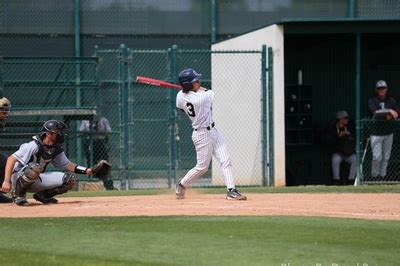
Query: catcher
(26,168)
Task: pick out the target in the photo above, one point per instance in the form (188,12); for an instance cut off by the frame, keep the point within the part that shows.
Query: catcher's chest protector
(45,154)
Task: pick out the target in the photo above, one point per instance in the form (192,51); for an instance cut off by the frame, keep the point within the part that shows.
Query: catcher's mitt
(102,170)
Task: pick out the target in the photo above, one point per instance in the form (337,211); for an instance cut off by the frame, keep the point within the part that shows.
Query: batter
(196,102)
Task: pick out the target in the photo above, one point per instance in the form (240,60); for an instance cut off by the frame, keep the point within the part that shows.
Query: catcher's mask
(55,126)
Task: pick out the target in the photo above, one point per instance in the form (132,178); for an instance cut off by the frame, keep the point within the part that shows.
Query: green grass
(198,241)
(299,189)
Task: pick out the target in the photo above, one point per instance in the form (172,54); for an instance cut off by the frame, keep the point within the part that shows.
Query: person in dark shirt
(99,130)
(341,139)
(382,134)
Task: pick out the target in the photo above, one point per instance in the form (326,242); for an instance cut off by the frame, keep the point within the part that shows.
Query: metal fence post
(1,76)
(351,8)
(77,30)
(173,120)
(358,111)
(264,140)
(271,116)
(122,114)
(213,21)
(96,76)
(97,102)
(77,74)
(130,120)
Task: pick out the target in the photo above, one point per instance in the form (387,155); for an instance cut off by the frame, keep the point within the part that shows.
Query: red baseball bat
(157,82)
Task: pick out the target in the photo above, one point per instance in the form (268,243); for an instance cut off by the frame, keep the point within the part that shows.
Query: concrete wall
(241,123)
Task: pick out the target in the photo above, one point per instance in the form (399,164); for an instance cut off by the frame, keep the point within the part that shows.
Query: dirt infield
(363,206)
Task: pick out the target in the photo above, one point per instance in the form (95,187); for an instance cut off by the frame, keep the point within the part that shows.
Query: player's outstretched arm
(74,168)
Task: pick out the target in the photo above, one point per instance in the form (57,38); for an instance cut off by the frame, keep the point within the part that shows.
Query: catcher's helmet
(187,77)
(55,126)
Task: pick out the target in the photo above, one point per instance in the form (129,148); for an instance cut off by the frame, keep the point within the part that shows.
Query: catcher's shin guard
(19,192)
(47,196)
(28,176)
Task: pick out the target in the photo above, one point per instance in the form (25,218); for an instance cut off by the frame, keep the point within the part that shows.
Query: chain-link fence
(380,151)
(53,28)
(45,88)
(155,142)
(134,126)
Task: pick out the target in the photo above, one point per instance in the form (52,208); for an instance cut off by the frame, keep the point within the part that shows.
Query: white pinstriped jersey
(207,141)
(198,106)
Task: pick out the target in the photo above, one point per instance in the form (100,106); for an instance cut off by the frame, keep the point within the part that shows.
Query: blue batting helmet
(187,77)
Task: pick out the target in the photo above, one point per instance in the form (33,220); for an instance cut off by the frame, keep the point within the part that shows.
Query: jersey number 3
(190,109)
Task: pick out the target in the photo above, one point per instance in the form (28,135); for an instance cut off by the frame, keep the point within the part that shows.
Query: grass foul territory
(199,241)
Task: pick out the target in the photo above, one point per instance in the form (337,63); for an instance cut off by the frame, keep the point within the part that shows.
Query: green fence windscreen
(46,27)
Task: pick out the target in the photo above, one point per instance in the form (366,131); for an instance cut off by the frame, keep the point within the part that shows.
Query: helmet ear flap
(187,87)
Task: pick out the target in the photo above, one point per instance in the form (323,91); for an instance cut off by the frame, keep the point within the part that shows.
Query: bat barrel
(156,82)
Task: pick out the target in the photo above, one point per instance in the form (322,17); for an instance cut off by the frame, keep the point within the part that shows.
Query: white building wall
(237,104)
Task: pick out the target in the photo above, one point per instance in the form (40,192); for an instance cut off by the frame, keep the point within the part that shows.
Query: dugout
(326,54)
(340,62)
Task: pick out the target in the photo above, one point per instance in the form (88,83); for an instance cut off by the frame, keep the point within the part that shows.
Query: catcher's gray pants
(45,181)
(337,159)
(381,148)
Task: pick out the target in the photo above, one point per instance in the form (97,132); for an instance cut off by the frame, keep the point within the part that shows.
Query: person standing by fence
(382,132)
(96,133)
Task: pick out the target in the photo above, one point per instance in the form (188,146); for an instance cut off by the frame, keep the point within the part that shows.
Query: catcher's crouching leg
(24,181)
(47,196)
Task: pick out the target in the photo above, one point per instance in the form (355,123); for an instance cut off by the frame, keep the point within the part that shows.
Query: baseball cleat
(233,194)
(180,191)
(21,201)
(45,200)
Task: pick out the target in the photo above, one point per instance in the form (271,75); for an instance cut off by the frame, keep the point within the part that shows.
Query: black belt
(208,128)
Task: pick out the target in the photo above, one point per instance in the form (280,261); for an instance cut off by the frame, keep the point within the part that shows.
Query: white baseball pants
(209,143)
(337,159)
(381,149)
